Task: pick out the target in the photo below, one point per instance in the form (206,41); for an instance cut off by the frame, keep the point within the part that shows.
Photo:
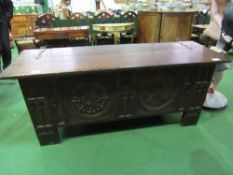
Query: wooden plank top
(114,24)
(60,29)
(168,11)
(201,26)
(113,27)
(76,60)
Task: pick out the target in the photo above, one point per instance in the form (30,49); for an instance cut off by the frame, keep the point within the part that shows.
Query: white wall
(23,2)
(82,5)
(85,5)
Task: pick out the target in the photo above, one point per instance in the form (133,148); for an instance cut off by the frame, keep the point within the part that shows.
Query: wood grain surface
(61,32)
(75,60)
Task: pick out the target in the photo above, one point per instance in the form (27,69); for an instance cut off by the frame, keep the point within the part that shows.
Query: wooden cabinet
(23,25)
(149,27)
(87,85)
(164,26)
(176,26)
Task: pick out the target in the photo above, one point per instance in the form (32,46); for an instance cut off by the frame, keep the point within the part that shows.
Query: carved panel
(157,92)
(90,99)
(126,102)
(109,96)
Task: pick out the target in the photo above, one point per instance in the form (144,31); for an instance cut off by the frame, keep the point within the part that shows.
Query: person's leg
(5,43)
(0,48)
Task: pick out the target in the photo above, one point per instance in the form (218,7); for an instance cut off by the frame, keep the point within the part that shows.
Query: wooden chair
(129,36)
(102,38)
(78,19)
(47,21)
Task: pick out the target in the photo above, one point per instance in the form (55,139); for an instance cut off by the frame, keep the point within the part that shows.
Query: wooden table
(198,29)
(201,26)
(61,33)
(115,28)
(70,86)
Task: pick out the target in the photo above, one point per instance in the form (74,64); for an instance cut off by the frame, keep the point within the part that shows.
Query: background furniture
(103,38)
(129,36)
(84,85)
(23,25)
(45,20)
(164,26)
(26,43)
(198,31)
(63,34)
(116,29)
(79,18)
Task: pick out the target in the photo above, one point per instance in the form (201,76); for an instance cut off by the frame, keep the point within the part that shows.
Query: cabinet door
(31,23)
(23,25)
(176,26)
(19,26)
(148,27)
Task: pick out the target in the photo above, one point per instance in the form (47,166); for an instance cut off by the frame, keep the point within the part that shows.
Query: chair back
(103,17)
(45,20)
(78,18)
(128,16)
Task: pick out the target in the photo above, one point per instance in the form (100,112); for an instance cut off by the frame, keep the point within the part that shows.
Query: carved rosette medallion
(90,100)
(157,92)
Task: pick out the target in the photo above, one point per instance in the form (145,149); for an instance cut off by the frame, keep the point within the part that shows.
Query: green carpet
(204,149)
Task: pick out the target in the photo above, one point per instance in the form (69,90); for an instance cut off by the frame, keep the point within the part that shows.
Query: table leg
(116,37)
(47,134)
(190,117)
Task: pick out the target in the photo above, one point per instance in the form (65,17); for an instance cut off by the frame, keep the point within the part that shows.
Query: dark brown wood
(103,17)
(45,20)
(78,18)
(71,86)
(61,32)
(128,16)
(164,26)
(42,62)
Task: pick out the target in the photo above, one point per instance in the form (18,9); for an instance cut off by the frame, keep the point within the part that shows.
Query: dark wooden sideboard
(70,86)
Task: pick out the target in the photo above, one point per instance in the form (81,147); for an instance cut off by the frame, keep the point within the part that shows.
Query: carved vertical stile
(125,94)
(57,112)
(34,101)
(202,81)
(197,93)
(36,97)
